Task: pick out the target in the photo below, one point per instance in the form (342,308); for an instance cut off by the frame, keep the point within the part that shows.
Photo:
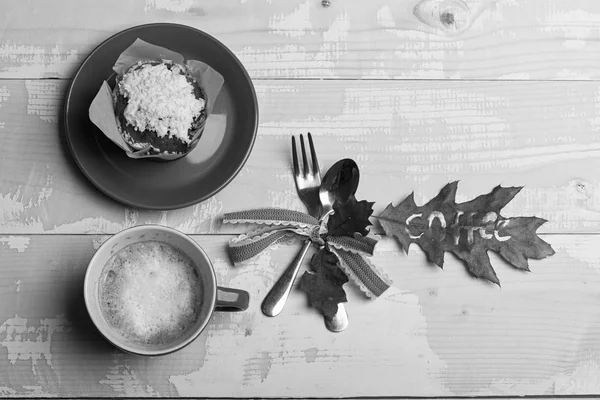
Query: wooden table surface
(514,99)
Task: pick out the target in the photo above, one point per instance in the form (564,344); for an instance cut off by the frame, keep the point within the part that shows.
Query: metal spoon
(275,300)
(339,184)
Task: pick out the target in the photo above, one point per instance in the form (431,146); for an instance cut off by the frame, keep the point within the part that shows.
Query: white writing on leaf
(436,215)
(487,219)
(408,221)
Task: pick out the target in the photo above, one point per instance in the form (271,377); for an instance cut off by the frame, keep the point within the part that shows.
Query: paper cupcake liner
(102,111)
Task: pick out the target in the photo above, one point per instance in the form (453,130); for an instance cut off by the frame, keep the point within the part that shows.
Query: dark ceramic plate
(220,154)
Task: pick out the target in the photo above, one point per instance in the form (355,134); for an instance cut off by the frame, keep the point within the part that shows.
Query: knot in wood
(447,18)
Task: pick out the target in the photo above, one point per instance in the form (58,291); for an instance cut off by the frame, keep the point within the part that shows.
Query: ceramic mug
(214,298)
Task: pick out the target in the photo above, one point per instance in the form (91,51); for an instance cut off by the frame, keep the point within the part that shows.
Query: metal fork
(308,182)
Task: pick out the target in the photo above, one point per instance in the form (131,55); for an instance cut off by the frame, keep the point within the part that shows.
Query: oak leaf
(324,285)
(350,217)
(468,230)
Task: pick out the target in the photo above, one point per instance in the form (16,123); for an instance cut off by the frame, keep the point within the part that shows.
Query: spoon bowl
(339,184)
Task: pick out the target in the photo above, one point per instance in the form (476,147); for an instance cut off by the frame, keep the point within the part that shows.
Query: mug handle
(231,299)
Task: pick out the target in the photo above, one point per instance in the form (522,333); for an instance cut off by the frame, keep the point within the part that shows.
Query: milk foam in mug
(151,290)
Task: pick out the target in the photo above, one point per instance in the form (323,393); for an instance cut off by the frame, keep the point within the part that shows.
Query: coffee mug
(214,298)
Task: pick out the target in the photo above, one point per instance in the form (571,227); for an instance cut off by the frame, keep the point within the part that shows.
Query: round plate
(223,148)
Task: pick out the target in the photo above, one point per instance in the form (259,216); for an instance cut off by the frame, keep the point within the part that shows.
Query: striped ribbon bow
(280,225)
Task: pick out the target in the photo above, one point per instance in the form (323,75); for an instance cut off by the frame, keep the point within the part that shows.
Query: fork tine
(295,157)
(305,165)
(313,155)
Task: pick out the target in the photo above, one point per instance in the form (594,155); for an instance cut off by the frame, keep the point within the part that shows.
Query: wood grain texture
(416,108)
(405,136)
(434,333)
(527,39)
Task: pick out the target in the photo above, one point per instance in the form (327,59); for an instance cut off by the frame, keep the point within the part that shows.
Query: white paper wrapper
(102,112)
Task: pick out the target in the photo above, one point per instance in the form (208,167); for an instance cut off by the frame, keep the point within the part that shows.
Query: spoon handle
(278,295)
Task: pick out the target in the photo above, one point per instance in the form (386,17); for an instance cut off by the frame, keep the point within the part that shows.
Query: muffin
(160,106)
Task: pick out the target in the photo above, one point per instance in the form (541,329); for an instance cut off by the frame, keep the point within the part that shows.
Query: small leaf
(350,218)
(324,285)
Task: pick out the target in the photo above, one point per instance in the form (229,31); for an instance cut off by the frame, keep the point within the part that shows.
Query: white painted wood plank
(527,39)
(405,136)
(434,333)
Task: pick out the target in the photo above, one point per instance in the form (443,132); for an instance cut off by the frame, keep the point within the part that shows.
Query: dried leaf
(349,218)
(468,230)
(324,285)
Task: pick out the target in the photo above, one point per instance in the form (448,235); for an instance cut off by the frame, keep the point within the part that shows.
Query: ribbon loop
(279,225)
(271,216)
(357,244)
(370,281)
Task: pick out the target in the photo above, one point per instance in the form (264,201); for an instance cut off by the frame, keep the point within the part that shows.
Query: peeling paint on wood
(311,354)
(99,240)
(25,340)
(26,391)
(175,6)
(22,60)
(19,243)
(4,94)
(436,332)
(295,24)
(208,210)
(124,382)
(6,391)
(45,99)
(584,379)
(577,26)
(405,136)
(99,224)
(444,334)
(302,39)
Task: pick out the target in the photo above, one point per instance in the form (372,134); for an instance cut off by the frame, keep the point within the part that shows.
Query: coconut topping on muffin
(160,99)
